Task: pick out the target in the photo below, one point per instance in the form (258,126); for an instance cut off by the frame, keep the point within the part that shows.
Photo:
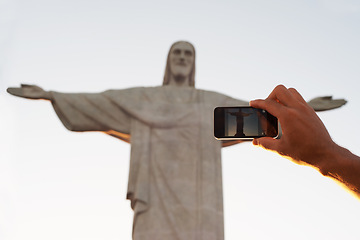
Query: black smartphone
(231,123)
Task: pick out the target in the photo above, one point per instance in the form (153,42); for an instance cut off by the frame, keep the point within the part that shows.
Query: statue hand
(326,103)
(30,91)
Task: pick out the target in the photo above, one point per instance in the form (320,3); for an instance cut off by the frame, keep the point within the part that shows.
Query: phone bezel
(219,124)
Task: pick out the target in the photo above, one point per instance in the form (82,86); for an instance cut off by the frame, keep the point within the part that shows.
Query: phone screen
(243,123)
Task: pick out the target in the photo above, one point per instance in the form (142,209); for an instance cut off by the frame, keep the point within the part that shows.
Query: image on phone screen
(243,122)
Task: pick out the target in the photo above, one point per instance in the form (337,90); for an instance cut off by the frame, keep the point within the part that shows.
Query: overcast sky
(57,184)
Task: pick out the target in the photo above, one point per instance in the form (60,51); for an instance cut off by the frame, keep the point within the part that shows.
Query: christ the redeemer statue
(240,123)
(175,182)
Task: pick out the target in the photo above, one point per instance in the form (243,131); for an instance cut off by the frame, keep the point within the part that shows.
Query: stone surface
(326,103)
(175,182)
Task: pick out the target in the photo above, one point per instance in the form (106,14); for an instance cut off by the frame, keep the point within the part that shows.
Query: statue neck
(179,81)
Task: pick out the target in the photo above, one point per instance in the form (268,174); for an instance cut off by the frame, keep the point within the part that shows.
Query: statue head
(180,65)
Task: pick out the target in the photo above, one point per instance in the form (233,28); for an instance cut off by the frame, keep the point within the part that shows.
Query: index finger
(270,105)
(283,95)
(297,95)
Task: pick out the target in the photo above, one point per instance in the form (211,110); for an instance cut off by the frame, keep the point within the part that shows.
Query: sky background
(56,184)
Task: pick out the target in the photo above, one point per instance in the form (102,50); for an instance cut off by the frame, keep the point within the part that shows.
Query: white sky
(56,184)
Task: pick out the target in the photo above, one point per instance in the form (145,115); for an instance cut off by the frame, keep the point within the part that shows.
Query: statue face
(181,59)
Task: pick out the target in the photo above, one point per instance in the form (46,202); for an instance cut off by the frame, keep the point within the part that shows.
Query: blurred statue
(175,182)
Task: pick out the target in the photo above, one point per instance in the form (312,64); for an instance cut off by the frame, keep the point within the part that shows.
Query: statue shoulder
(212,94)
(116,92)
(134,94)
(222,99)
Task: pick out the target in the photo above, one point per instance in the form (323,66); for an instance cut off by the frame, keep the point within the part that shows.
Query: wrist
(335,161)
(344,167)
(328,158)
(47,95)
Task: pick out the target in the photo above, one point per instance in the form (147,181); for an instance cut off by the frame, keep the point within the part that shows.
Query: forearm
(343,166)
(47,96)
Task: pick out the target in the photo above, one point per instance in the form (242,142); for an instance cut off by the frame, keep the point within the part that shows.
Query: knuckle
(280,87)
(292,90)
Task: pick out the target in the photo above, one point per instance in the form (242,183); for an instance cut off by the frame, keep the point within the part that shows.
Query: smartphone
(234,123)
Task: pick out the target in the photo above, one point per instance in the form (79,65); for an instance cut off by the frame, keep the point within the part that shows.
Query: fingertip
(255,103)
(280,87)
(297,95)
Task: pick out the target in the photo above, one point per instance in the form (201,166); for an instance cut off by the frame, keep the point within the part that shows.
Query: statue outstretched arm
(326,103)
(83,111)
(30,92)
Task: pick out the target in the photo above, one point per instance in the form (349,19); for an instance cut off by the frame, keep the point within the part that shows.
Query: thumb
(267,143)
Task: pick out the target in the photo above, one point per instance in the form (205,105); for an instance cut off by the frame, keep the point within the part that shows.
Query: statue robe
(175,181)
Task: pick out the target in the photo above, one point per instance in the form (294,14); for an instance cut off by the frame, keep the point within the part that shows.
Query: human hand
(30,91)
(304,137)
